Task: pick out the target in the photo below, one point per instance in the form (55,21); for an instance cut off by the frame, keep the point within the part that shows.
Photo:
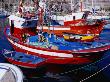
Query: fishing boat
(24,37)
(77,37)
(55,49)
(80,26)
(10,73)
(70,24)
(23,20)
(24,60)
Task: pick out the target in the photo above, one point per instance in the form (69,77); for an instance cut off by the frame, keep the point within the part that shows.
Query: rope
(95,73)
(83,66)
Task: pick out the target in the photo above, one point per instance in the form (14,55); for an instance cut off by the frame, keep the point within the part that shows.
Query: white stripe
(41,51)
(55,28)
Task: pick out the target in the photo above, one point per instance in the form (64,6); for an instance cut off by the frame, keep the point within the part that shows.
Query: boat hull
(10,73)
(76,27)
(78,58)
(59,56)
(23,64)
(18,33)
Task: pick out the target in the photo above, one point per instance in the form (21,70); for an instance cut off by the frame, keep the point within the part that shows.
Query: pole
(71,5)
(81,5)
(92,4)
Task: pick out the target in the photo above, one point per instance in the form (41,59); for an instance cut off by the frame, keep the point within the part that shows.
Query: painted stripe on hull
(55,28)
(41,51)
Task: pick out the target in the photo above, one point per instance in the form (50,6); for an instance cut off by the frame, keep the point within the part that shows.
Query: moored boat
(10,73)
(81,26)
(22,59)
(24,37)
(76,23)
(55,49)
(30,22)
(76,26)
(80,38)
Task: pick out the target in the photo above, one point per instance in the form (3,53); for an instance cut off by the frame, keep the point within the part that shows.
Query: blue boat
(24,60)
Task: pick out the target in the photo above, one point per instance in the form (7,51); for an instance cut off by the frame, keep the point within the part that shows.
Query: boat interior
(22,57)
(50,40)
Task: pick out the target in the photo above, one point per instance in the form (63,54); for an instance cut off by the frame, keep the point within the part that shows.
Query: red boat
(24,37)
(81,26)
(56,49)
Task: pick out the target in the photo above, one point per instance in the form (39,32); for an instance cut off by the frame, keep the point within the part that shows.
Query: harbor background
(41,74)
(70,5)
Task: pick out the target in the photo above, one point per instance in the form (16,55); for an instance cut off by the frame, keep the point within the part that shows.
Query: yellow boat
(87,37)
(77,37)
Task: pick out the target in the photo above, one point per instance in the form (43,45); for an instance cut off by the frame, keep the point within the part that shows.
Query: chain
(95,73)
(82,67)
(57,75)
(53,76)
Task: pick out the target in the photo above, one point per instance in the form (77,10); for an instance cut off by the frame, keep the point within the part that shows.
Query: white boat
(10,73)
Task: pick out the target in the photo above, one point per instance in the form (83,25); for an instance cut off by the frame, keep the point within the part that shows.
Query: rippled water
(65,73)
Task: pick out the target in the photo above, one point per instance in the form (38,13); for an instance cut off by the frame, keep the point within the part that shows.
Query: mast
(81,4)
(40,15)
(92,4)
(20,6)
(71,5)
(93,8)
(2,6)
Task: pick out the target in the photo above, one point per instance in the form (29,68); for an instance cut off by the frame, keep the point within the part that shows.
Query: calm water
(66,73)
